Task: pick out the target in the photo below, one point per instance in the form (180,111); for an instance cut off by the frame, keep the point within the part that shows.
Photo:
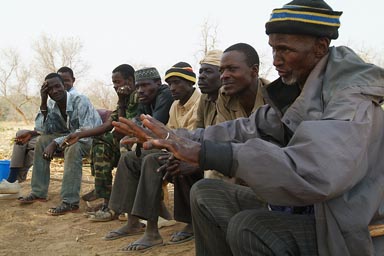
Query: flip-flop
(146,247)
(184,235)
(116,234)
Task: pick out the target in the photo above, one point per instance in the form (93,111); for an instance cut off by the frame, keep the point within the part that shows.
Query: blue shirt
(81,115)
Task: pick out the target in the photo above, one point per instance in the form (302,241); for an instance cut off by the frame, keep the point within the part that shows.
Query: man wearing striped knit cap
(316,147)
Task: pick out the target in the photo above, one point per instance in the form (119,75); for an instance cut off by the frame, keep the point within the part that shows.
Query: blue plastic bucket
(4,169)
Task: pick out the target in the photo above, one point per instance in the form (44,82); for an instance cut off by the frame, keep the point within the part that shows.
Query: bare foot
(126,230)
(186,234)
(146,242)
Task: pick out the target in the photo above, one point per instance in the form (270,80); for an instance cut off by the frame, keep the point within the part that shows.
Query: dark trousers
(229,219)
(138,187)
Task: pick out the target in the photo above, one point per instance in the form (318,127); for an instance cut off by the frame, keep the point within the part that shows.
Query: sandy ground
(28,230)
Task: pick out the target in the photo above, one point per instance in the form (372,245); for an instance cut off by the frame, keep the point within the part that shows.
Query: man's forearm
(216,156)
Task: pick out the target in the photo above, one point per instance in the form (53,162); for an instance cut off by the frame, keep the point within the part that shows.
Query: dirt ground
(28,230)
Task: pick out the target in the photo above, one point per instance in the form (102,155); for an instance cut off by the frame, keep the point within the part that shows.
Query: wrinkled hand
(159,136)
(183,148)
(134,132)
(174,167)
(23,138)
(70,140)
(49,151)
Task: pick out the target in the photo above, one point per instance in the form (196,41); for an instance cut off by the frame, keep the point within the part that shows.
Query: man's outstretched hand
(157,135)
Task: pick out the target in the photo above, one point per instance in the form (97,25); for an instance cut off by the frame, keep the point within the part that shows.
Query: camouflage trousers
(105,154)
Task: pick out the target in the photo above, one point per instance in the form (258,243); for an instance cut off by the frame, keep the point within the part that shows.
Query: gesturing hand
(136,133)
(160,137)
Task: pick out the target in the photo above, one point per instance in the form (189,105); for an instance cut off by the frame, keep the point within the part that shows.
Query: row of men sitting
(137,185)
(311,156)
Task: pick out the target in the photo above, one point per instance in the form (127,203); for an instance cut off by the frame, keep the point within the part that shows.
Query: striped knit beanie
(146,74)
(305,17)
(183,70)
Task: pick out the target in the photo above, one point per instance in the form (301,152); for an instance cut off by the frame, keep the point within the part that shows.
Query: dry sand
(28,230)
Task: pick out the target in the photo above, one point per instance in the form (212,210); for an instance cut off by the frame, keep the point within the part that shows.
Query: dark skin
(123,88)
(152,235)
(294,58)
(181,89)
(147,90)
(27,135)
(54,88)
(68,79)
(24,137)
(237,78)
(154,137)
(209,81)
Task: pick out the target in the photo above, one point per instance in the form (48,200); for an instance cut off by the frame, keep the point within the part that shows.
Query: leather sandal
(31,198)
(63,208)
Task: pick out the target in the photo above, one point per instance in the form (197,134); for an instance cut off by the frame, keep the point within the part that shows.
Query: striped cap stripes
(305,17)
(183,70)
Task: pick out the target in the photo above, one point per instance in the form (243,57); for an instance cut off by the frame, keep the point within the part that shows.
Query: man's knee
(243,227)
(236,225)
(76,151)
(198,191)
(128,163)
(43,140)
(151,159)
(19,132)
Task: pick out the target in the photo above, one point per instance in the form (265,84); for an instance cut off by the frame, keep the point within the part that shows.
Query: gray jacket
(322,148)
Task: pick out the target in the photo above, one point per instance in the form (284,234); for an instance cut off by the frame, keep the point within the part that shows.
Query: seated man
(155,99)
(105,151)
(316,147)
(209,85)
(66,113)
(23,149)
(240,94)
(143,183)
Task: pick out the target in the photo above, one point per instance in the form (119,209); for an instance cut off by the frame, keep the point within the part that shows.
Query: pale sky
(161,33)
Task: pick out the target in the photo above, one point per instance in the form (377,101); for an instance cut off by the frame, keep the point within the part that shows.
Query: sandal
(103,215)
(140,247)
(63,208)
(181,237)
(31,198)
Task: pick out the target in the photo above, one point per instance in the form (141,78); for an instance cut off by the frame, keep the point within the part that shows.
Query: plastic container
(4,169)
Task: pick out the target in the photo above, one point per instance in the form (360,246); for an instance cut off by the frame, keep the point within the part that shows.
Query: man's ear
(255,70)
(322,47)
